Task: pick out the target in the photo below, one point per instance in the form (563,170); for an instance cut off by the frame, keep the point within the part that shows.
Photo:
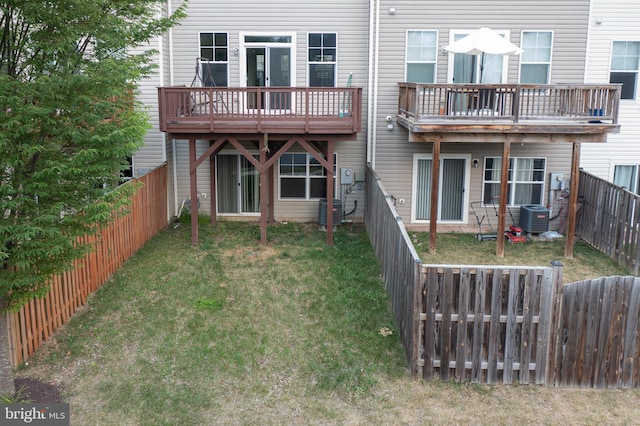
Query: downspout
(587,57)
(375,86)
(370,83)
(161,79)
(161,75)
(173,141)
(374,39)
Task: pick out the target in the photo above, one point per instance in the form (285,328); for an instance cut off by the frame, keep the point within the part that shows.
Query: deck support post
(502,206)
(212,186)
(193,180)
(433,214)
(272,185)
(573,201)
(329,157)
(264,144)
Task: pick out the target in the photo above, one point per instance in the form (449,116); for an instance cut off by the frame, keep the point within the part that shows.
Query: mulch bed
(37,391)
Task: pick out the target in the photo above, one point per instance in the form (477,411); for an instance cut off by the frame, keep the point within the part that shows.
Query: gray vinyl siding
(349,19)
(151,154)
(568,20)
(618,22)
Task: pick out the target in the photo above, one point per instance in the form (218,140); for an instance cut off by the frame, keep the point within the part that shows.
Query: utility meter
(346,176)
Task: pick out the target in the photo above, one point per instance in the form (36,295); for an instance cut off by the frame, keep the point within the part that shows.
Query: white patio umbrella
(481,42)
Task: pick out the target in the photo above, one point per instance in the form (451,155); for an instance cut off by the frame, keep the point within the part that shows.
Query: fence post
(7,386)
(555,339)
(416,342)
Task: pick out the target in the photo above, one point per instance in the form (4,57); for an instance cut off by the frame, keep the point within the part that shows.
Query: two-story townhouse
(614,56)
(533,112)
(245,78)
(438,125)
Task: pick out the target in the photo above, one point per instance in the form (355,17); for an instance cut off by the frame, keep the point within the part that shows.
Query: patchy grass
(292,332)
(465,249)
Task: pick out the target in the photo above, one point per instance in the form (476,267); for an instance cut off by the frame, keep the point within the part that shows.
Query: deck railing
(309,109)
(510,102)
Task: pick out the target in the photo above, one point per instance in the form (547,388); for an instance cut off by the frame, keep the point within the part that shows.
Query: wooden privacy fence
(40,318)
(599,339)
(512,324)
(398,259)
(609,220)
(488,324)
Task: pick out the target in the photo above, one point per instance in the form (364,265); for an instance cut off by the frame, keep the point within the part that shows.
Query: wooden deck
(528,112)
(256,110)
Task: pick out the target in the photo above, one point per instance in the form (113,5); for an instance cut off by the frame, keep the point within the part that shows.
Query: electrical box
(555,183)
(346,176)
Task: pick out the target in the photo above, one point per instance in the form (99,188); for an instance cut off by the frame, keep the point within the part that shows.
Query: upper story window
(421,55)
(535,62)
(214,59)
(322,59)
(625,63)
(525,181)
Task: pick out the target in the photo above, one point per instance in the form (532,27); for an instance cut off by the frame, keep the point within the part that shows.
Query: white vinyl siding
(612,21)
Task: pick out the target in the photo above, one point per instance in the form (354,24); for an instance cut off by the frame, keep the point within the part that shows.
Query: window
(625,62)
(525,181)
(422,51)
(127,172)
(322,59)
(302,176)
(214,59)
(535,63)
(626,176)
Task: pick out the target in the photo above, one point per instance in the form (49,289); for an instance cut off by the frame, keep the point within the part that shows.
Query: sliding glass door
(238,185)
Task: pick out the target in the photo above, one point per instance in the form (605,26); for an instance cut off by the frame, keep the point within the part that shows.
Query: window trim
(512,182)
(406,54)
(334,62)
(307,178)
(549,64)
(200,56)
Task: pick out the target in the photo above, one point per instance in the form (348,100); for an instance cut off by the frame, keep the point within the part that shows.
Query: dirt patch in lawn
(37,391)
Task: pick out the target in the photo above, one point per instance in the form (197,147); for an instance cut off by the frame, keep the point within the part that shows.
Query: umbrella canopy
(484,40)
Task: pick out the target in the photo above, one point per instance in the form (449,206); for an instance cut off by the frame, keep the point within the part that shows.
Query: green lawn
(292,332)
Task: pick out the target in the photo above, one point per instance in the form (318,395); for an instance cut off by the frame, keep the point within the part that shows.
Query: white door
(481,69)
(267,62)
